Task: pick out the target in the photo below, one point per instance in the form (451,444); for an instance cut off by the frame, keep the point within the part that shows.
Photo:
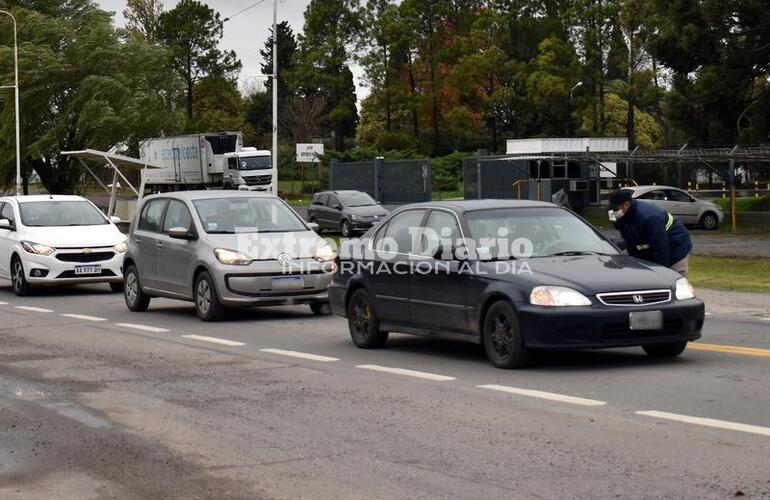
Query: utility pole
(275,96)
(15,86)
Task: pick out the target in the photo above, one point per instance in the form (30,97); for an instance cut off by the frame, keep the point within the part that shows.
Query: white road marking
(34,309)
(84,317)
(3,303)
(303,355)
(213,340)
(551,396)
(145,328)
(409,373)
(708,422)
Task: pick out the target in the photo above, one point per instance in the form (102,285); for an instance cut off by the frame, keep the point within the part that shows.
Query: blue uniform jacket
(653,234)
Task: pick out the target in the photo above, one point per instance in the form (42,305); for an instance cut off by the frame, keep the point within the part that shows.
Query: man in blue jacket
(650,232)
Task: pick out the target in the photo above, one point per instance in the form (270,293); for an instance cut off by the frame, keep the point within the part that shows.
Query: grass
(746,204)
(745,275)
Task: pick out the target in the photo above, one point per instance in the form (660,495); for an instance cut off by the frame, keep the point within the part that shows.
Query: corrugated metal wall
(387,181)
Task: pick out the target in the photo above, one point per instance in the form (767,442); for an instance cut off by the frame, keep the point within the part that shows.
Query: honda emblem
(638,299)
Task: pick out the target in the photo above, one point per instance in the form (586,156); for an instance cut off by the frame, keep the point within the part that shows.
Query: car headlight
(232,258)
(324,253)
(37,248)
(239,180)
(121,247)
(684,289)
(357,217)
(557,296)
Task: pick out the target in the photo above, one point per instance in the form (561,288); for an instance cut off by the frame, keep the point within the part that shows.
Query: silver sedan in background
(681,204)
(224,248)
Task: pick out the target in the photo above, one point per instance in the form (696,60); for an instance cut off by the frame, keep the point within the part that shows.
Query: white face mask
(615,214)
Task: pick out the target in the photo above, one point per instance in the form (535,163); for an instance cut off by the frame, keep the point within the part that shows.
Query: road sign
(309,153)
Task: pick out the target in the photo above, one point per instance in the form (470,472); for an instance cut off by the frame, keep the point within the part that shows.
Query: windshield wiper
(574,252)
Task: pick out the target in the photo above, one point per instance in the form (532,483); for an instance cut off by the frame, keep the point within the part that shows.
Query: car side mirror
(7,224)
(181,233)
(337,207)
(313,226)
(115,219)
(620,243)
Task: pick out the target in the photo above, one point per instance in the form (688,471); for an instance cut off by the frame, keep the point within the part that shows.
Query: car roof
(468,205)
(646,189)
(210,194)
(43,197)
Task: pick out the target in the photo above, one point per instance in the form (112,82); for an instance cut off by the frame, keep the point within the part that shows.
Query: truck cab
(249,169)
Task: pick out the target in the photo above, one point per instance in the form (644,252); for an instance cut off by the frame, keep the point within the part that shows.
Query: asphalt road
(98,402)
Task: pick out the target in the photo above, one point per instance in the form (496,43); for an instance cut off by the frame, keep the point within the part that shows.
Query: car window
(323,199)
(333,201)
(441,228)
(151,215)
(232,164)
(60,213)
(400,230)
(676,195)
(7,213)
(357,199)
(177,215)
(247,215)
(657,195)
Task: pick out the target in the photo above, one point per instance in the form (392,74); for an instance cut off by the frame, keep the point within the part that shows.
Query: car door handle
(137,240)
(159,244)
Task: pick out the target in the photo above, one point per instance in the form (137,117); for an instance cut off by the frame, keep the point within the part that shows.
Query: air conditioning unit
(576,186)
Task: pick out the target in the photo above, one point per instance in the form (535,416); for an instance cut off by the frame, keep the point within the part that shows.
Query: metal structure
(387,181)
(114,162)
(15,86)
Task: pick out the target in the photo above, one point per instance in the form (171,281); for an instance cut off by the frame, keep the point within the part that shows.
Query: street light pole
(572,91)
(15,86)
(275,96)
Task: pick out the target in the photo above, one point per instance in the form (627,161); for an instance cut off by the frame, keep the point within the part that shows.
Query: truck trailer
(206,161)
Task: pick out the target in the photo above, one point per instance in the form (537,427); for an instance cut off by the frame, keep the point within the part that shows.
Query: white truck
(206,161)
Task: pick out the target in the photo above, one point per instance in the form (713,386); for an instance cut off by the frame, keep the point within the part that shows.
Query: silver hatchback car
(223,248)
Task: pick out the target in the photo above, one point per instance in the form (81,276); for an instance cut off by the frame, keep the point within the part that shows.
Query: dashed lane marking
(3,303)
(302,355)
(34,309)
(409,373)
(730,349)
(84,317)
(145,328)
(551,396)
(214,340)
(707,422)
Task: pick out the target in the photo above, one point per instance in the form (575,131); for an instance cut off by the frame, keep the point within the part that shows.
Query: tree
(192,31)
(142,18)
(287,52)
(322,70)
(88,91)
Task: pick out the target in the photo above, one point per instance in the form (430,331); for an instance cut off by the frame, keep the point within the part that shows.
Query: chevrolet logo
(87,251)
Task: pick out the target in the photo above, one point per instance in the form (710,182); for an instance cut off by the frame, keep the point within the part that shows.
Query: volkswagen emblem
(638,299)
(284,259)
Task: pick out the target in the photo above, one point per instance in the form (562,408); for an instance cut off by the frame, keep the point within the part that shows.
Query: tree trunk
(412,92)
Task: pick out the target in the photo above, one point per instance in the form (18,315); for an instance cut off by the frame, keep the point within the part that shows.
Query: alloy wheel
(203,297)
(501,335)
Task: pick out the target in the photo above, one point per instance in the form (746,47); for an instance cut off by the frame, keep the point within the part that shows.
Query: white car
(58,240)
(681,204)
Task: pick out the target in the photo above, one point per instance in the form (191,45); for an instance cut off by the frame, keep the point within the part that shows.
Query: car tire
(136,299)
(116,287)
(345,228)
(21,286)
(363,323)
(709,221)
(668,350)
(503,339)
(321,308)
(208,306)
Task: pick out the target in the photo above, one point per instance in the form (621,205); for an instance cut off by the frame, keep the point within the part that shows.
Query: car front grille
(258,180)
(639,298)
(106,273)
(85,257)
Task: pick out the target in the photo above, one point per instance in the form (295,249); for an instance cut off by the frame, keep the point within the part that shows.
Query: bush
(746,204)
(448,171)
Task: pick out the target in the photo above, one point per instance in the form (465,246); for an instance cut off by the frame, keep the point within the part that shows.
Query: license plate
(287,283)
(80,270)
(646,320)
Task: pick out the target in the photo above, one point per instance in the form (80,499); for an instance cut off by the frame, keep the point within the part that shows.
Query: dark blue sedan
(516,276)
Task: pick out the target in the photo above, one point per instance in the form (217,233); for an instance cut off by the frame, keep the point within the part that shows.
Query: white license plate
(81,270)
(646,320)
(287,283)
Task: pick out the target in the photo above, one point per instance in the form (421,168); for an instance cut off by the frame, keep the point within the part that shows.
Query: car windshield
(255,163)
(543,232)
(247,215)
(52,213)
(357,199)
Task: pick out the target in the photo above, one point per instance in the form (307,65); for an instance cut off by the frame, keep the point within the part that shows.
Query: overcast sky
(246,33)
